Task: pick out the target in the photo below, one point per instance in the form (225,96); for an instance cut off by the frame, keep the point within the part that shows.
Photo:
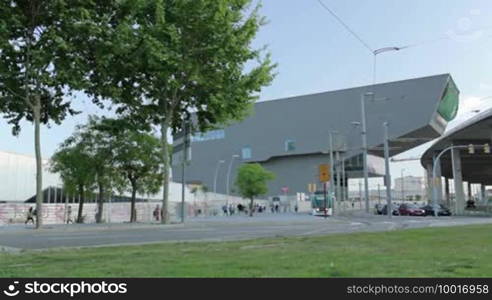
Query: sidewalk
(21,228)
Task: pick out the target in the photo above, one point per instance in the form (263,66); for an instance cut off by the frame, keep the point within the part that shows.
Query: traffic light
(471,149)
(486,148)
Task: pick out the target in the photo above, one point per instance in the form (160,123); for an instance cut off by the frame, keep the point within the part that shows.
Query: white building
(18,179)
(409,187)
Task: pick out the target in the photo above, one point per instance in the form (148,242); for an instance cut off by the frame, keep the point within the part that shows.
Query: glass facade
(448,107)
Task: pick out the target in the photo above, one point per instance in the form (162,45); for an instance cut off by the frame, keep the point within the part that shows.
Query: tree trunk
(251,207)
(81,205)
(165,153)
(133,212)
(100,202)
(39,161)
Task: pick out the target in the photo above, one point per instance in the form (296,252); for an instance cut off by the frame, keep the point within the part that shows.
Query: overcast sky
(315,54)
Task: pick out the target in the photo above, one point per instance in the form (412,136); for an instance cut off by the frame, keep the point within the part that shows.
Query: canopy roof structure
(476,167)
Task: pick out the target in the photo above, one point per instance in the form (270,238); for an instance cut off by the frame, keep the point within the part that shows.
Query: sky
(316,54)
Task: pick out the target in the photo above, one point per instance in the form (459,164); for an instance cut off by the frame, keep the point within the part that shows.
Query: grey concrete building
(290,136)
(458,166)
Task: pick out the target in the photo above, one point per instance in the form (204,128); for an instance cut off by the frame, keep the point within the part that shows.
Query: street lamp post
(434,175)
(363,120)
(364,148)
(387,170)
(332,181)
(229,175)
(216,174)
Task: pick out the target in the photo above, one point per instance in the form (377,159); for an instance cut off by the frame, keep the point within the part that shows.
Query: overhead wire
(352,32)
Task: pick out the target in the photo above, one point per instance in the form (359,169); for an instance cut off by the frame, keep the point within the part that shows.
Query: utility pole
(339,183)
(387,170)
(216,174)
(364,147)
(331,171)
(360,194)
(234,156)
(344,182)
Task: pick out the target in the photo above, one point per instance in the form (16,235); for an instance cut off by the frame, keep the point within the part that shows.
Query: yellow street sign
(324,173)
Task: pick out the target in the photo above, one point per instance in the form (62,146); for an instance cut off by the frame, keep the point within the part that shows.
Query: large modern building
(290,136)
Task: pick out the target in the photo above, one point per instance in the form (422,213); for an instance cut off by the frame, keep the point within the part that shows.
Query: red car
(408,209)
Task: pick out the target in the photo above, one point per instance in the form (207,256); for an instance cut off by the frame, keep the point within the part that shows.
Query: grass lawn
(430,252)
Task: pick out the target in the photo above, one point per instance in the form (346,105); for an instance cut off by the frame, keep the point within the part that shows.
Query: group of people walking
(231,209)
(32,213)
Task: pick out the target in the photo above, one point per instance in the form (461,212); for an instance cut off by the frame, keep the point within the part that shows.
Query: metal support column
(438,183)
(483,194)
(470,192)
(339,181)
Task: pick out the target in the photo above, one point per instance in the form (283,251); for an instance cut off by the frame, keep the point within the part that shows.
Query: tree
(251,182)
(40,64)
(76,171)
(183,61)
(138,160)
(95,139)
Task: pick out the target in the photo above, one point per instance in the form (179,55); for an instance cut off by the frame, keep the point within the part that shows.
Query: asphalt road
(17,237)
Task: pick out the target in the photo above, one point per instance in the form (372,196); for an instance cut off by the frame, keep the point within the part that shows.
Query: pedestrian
(277,208)
(224,209)
(157,213)
(29,216)
(69,214)
(296,208)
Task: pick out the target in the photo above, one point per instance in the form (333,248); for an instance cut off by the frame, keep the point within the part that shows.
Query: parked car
(378,209)
(442,210)
(410,209)
(394,210)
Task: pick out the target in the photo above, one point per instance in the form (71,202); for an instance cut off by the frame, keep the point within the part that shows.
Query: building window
(448,107)
(290,145)
(208,136)
(246,152)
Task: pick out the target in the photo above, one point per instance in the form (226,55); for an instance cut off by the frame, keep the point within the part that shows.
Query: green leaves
(111,153)
(74,165)
(40,57)
(252,180)
(138,160)
(177,57)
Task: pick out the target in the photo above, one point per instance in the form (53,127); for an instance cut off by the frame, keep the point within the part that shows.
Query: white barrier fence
(201,204)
